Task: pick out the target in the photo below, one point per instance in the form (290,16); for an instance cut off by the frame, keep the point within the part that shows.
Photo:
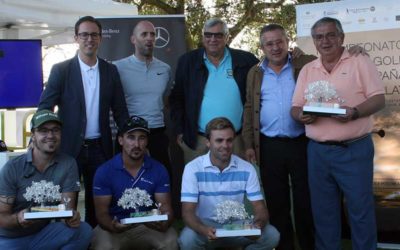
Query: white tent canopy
(53,20)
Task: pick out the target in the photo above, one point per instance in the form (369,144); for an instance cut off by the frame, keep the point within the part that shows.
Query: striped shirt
(206,185)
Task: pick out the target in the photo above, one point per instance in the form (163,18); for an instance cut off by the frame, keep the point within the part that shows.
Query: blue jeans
(191,240)
(54,236)
(334,171)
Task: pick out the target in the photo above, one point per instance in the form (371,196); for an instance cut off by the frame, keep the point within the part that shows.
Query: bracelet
(356,114)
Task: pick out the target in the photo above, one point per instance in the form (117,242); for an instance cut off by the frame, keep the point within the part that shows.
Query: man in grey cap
(41,162)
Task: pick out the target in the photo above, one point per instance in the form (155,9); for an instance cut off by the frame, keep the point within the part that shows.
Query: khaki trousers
(140,238)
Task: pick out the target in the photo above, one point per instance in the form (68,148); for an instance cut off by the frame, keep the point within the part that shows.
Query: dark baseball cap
(43,116)
(134,123)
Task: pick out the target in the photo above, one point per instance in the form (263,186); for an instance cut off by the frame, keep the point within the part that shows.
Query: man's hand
(25,223)
(306,118)
(357,50)
(209,232)
(251,155)
(74,221)
(119,228)
(347,117)
(297,52)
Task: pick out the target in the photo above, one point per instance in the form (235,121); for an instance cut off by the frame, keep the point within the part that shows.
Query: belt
(204,135)
(344,143)
(283,138)
(89,142)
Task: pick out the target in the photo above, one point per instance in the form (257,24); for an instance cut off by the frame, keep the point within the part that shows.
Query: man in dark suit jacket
(85,89)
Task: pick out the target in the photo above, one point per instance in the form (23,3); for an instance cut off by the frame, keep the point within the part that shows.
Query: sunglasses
(135,121)
(218,35)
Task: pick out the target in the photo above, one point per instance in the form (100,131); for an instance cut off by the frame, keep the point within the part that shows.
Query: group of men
(225,105)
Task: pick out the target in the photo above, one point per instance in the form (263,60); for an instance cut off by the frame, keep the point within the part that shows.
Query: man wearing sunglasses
(132,168)
(42,162)
(209,82)
(85,89)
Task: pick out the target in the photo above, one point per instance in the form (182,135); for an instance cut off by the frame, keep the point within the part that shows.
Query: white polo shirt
(91,88)
(206,185)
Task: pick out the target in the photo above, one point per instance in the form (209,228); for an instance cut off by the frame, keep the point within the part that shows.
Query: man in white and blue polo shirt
(132,168)
(215,177)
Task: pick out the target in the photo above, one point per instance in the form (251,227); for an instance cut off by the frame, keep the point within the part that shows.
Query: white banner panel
(355,15)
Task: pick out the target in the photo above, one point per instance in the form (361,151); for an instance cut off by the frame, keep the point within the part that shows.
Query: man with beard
(146,81)
(85,89)
(132,168)
(42,162)
(219,176)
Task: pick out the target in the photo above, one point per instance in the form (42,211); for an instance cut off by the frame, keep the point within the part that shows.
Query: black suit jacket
(65,90)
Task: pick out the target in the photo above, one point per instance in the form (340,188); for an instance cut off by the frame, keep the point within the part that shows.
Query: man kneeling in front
(132,169)
(45,166)
(216,177)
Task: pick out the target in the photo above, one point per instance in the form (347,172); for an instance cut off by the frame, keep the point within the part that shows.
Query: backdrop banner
(170,37)
(375,26)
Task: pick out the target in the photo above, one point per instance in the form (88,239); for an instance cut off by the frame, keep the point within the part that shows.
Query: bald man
(146,81)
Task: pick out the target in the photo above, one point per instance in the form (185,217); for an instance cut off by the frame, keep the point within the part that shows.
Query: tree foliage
(243,16)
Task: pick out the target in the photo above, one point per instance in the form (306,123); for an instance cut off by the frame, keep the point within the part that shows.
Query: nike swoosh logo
(159,73)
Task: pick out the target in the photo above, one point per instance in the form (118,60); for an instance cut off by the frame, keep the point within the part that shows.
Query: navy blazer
(65,90)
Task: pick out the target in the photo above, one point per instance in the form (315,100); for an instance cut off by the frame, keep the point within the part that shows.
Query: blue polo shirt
(221,97)
(112,179)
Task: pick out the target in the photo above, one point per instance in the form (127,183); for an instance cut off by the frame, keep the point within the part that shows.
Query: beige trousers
(140,238)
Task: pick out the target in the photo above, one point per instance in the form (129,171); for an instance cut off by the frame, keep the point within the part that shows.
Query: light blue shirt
(276,101)
(206,185)
(221,94)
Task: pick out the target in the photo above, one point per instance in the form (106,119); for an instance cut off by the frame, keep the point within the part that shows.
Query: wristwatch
(356,114)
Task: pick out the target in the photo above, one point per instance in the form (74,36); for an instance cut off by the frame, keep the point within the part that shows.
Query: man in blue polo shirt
(132,169)
(209,82)
(216,177)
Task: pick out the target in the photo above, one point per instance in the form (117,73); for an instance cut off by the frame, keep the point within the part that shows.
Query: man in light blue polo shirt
(215,177)
(209,82)
(132,169)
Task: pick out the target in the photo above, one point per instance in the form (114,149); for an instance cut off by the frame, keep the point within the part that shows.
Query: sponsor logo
(147,181)
(330,13)
(162,37)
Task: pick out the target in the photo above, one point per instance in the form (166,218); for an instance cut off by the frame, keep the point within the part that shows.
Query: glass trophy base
(48,215)
(142,219)
(323,111)
(237,232)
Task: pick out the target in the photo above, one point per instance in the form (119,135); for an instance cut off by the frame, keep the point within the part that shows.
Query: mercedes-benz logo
(162,37)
